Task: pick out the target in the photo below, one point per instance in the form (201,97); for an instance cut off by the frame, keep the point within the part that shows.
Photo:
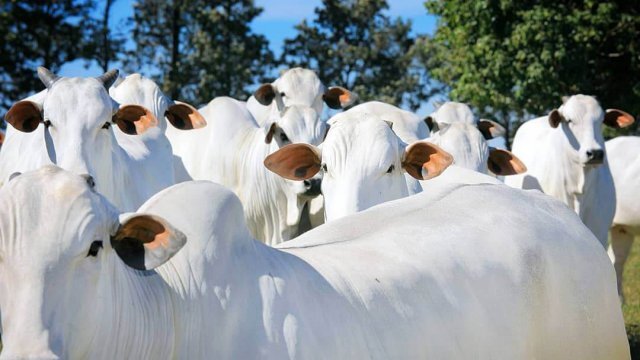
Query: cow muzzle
(312,187)
(595,157)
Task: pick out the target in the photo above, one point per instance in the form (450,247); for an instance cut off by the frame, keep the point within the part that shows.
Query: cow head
(74,116)
(298,124)
(299,86)
(139,90)
(466,139)
(362,162)
(580,120)
(62,247)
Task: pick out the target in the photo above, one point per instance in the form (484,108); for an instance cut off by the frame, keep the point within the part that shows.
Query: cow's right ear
(294,161)
(431,123)
(265,94)
(24,116)
(555,118)
(134,119)
(490,129)
(184,116)
(145,242)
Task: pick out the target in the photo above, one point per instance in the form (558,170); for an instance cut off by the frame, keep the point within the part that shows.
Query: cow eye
(47,123)
(324,167)
(281,94)
(284,137)
(95,247)
(390,169)
(106,125)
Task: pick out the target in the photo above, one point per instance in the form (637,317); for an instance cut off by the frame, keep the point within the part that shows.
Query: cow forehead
(452,111)
(50,208)
(84,98)
(137,89)
(582,108)
(299,83)
(362,142)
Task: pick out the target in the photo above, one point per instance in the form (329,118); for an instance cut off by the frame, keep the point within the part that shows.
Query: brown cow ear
(617,118)
(294,161)
(337,97)
(423,157)
(184,116)
(555,118)
(24,116)
(265,94)
(490,129)
(270,132)
(145,242)
(134,119)
(503,163)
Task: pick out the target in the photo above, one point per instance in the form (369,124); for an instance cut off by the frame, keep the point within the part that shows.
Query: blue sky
(277,23)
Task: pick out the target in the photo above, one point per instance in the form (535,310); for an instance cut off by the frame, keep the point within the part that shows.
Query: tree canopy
(515,58)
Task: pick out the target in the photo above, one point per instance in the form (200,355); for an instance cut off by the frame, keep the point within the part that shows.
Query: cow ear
(184,116)
(503,163)
(134,119)
(265,94)
(424,160)
(2,137)
(490,129)
(555,118)
(431,123)
(617,118)
(294,161)
(24,116)
(145,242)
(268,137)
(337,97)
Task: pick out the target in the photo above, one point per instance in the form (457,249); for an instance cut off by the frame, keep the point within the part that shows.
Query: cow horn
(108,78)
(46,76)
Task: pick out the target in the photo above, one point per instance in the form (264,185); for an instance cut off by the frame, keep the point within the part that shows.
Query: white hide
(556,159)
(624,161)
(78,108)
(409,279)
(465,143)
(230,151)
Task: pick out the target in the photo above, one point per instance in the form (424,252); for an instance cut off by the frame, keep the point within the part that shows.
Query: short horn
(108,78)
(47,77)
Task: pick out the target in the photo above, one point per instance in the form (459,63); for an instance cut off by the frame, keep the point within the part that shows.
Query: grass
(631,308)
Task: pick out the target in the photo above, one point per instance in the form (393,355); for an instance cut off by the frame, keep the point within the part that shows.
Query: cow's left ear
(424,160)
(490,129)
(503,163)
(184,116)
(271,130)
(134,119)
(337,97)
(618,118)
(145,242)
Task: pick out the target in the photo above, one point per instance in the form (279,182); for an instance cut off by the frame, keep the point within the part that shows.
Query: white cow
(457,131)
(151,152)
(230,151)
(70,124)
(624,161)
(363,163)
(565,157)
(296,86)
(410,279)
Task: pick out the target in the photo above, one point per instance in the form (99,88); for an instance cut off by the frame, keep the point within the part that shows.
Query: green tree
(162,33)
(227,55)
(356,45)
(511,59)
(48,33)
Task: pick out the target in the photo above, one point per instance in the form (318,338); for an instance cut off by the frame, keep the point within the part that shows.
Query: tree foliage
(34,33)
(514,58)
(201,49)
(356,45)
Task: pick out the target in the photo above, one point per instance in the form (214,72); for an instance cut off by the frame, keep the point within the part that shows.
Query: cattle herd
(134,226)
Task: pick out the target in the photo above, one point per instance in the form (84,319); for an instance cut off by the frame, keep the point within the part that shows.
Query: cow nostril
(589,153)
(90,181)
(307,183)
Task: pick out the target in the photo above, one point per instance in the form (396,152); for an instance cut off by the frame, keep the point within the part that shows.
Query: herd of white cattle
(134,226)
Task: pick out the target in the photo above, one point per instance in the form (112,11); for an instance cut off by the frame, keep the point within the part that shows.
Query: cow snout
(595,156)
(312,187)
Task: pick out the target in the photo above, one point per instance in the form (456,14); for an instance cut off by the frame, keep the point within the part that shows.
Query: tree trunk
(175,51)
(106,56)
